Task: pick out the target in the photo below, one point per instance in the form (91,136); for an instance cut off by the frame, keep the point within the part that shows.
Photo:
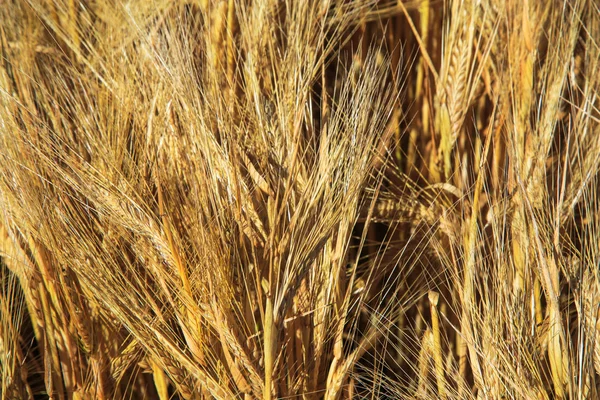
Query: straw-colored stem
(270,343)
(437,345)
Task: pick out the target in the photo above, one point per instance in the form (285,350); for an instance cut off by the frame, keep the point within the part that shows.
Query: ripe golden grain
(333,199)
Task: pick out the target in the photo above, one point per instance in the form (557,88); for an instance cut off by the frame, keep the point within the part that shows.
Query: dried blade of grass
(160,380)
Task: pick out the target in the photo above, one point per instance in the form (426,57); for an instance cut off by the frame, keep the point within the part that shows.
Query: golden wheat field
(294,199)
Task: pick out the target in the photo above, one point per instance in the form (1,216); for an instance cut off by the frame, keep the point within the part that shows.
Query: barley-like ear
(299,199)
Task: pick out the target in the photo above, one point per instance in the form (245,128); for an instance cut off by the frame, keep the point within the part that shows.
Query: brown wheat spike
(263,199)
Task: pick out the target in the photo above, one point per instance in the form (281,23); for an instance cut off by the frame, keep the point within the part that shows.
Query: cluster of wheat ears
(273,199)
